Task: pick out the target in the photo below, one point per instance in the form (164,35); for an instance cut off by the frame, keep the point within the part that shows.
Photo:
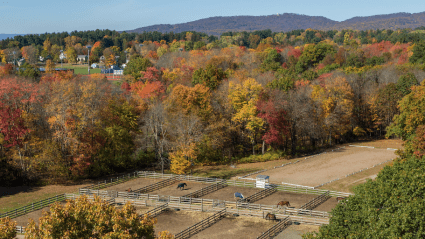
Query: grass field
(80,69)
(32,194)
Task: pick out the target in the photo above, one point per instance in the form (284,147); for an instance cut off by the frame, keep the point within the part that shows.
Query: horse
(129,190)
(181,186)
(270,216)
(238,196)
(284,203)
(338,199)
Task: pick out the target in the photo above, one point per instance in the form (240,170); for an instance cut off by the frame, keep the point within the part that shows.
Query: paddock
(176,221)
(227,193)
(328,205)
(295,199)
(173,191)
(236,228)
(133,184)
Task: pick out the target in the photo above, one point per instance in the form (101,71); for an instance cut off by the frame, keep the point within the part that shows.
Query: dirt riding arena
(328,166)
(327,206)
(228,193)
(134,184)
(176,221)
(295,199)
(236,228)
(173,191)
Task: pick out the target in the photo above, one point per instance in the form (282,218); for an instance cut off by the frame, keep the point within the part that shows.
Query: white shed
(262,181)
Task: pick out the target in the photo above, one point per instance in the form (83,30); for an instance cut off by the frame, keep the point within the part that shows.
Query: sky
(31,17)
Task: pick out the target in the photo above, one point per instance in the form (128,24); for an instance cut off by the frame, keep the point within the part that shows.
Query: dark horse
(181,186)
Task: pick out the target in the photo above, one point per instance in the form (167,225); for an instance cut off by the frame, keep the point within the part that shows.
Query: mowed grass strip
(222,171)
(80,69)
(34,194)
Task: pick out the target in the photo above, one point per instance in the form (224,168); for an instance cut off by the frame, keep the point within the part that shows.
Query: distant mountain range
(288,22)
(5,36)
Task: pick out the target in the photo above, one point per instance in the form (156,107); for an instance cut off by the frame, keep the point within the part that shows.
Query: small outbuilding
(262,181)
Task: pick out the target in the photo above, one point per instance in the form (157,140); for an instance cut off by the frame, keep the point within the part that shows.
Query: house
(41,58)
(111,69)
(102,59)
(62,56)
(81,58)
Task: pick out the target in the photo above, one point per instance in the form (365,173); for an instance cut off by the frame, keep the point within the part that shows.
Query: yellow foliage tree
(336,102)
(50,66)
(110,60)
(7,228)
(244,98)
(85,219)
(181,159)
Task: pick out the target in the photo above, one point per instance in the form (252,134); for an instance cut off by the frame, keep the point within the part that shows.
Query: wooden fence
(20,229)
(113,181)
(276,229)
(158,210)
(33,206)
(205,204)
(259,195)
(207,222)
(285,188)
(157,186)
(206,190)
(316,201)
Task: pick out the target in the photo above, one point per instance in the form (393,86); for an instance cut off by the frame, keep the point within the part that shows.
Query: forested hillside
(198,100)
(290,21)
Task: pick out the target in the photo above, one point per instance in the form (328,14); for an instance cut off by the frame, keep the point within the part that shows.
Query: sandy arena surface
(295,199)
(177,221)
(236,228)
(133,184)
(173,191)
(227,193)
(328,166)
(327,206)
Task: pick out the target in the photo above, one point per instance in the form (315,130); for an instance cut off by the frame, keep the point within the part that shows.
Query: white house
(81,58)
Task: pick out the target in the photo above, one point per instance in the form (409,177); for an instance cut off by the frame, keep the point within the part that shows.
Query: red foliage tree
(295,53)
(151,74)
(12,126)
(276,122)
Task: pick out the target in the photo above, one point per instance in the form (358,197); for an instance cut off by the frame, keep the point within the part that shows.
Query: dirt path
(328,166)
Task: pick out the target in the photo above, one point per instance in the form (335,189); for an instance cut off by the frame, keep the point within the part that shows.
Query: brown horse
(284,203)
(129,190)
(270,216)
(338,199)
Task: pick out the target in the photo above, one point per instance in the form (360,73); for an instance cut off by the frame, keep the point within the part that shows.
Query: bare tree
(157,131)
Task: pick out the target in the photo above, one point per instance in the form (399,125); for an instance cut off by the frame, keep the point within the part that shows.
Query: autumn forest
(191,99)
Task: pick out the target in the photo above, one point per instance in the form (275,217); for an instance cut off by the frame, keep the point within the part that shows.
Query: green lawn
(80,69)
